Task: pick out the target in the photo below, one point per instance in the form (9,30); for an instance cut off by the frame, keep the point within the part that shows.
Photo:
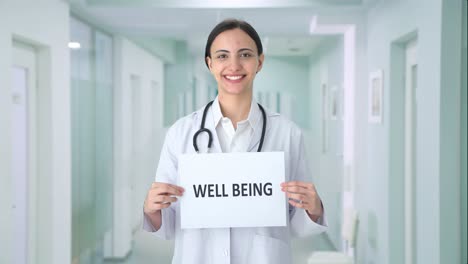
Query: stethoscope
(210,136)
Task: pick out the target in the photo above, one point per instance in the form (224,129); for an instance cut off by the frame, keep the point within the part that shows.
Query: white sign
(232,190)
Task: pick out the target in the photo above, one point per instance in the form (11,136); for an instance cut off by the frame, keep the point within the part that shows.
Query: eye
(245,55)
(222,56)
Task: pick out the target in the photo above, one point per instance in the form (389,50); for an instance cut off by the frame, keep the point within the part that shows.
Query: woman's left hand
(304,195)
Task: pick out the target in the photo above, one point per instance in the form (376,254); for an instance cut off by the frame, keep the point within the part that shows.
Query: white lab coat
(268,245)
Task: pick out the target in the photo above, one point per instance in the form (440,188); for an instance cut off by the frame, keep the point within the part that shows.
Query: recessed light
(74,45)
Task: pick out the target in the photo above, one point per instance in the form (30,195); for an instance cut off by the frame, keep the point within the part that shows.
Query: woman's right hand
(160,196)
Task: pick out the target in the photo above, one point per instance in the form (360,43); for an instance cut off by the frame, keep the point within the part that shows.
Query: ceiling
(284,25)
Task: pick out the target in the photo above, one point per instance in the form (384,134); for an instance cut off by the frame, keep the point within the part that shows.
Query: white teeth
(233,78)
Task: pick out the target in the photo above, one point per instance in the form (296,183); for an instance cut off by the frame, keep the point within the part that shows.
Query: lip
(234,78)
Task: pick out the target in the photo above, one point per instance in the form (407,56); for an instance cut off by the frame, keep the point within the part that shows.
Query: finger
(296,203)
(179,188)
(151,207)
(165,199)
(161,184)
(295,189)
(302,184)
(155,197)
(298,197)
(168,189)
(159,206)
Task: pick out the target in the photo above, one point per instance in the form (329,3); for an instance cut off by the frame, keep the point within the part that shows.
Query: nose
(235,63)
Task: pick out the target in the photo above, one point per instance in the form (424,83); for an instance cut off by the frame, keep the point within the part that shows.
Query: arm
(159,215)
(306,210)
(160,196)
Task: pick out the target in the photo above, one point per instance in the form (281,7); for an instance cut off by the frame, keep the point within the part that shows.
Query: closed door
(23,105)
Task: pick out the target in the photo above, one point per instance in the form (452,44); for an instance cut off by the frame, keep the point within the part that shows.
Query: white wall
(43,25)
(436,192)
(133,174)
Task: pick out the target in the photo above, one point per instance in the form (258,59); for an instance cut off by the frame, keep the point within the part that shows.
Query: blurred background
(89,88)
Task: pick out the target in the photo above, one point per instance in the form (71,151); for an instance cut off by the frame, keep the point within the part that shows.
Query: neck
(236,108)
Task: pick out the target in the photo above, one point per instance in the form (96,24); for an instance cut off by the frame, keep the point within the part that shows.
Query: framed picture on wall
(375,102)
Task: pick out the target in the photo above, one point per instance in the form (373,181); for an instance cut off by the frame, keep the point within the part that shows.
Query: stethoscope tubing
(210,135)
(203,129)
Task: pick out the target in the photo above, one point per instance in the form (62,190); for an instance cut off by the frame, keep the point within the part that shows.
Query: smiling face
(234,62)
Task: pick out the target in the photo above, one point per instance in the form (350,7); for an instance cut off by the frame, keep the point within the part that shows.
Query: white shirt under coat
(256,245)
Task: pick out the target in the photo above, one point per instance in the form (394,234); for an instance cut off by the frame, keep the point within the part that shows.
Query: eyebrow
(241,50)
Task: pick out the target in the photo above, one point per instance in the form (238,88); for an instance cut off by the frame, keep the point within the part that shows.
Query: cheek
(214,72)
(217,74)
(251,66)
(252,69)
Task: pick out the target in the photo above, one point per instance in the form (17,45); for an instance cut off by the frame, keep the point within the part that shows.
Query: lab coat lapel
(255,141)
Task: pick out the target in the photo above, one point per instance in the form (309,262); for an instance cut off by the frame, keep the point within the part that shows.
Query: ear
(261,58)
(208,61)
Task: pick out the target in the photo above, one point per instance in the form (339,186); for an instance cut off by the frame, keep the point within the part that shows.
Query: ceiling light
(74,45)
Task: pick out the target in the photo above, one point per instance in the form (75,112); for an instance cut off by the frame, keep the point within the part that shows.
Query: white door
(411,73)
(23,104)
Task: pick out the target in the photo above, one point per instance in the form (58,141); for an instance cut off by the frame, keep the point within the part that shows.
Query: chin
(236,90)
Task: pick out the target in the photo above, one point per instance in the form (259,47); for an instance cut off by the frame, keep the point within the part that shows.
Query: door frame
(410,150)
(26,56)
(396,214)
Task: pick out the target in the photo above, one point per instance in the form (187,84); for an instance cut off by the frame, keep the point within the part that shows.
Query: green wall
(437,141)
(463,137)
(450,113)
(165,49)
(178,78)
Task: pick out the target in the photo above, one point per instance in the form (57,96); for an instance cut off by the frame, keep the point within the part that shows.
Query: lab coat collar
(254,118)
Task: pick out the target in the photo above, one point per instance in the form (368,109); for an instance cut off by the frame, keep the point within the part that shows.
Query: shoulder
(184,124)
(281,122)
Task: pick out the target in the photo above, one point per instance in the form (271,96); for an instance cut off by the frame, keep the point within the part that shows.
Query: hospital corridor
(94,94)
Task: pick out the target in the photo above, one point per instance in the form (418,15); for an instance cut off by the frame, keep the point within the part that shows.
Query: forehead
(233,39)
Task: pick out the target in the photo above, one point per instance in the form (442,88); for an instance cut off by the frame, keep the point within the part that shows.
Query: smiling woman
(101,112)
(234,56)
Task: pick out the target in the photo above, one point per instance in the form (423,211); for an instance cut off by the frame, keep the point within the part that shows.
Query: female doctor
(234,55)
